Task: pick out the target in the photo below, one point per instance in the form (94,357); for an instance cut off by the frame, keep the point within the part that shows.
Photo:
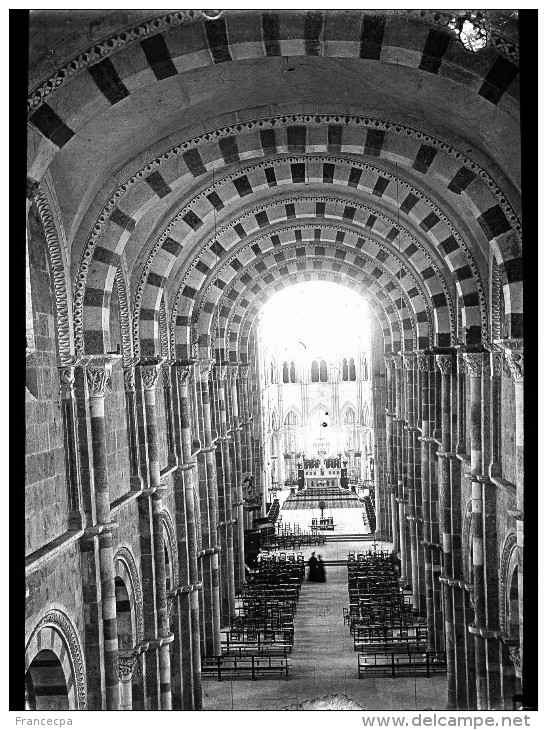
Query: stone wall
(117,444)
(58,584)
(162,427)
(46,507)
(507,448)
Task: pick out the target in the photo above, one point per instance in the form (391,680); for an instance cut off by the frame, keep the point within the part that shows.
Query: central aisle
(323,662)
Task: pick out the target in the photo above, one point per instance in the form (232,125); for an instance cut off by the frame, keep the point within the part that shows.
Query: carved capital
(514,653)
(397,362)
(515,360)
(66,381)
(408,360)
(233,372)
(183,374)
(244,371)
(129,379)
(423,362)
(96,376)
(205,364)
(149,375)
(127,662)
(388,359)
(496,360)
(475,363)
(444,363)
(221,372)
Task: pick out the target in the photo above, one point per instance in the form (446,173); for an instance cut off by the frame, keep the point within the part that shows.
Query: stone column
(127,664)
(179,595)
(400,499)
(169,419)
(414,483)
(149,370)
(97,372)
(514,355)
(225,513)
(184,374)
(246,420)
(233,372)
(423,361)
(76,516)
(209,519)
(474,362)
(444,363)
(391,479)
(496,360)
(135,478)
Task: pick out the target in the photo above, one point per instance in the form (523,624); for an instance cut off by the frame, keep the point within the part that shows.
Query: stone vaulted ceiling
(196,165)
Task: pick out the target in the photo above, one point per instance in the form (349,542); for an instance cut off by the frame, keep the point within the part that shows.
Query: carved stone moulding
(58,622)
(149,369)
(444,363)
(127,664)
(475,362)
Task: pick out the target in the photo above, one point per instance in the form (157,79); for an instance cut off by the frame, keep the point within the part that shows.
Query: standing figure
(312,564)
(321,575)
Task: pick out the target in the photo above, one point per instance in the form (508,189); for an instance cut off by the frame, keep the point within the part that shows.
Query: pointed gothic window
(314,372)
(345,375)
(285,372)
(323,376)
(293,373)
(352,369)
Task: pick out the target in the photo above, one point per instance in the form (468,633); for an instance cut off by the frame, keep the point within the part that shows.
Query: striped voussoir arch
(390,325)
(390,322)
(338,243)
(370,222)
(393,310)
(468,184)
(237,342)
(63,104)
(327,256)
(345,242)
(411,202)
(55,633)
(396,308)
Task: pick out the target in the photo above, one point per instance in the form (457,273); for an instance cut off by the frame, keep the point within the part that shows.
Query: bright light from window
(317,318)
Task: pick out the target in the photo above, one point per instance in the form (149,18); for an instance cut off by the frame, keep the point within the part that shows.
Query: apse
(316,319)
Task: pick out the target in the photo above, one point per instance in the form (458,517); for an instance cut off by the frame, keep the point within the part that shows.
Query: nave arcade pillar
(390,451)
(151,509)
(246,447)
(459,589)
(379,450)
(400,462)
(426,416)
(514,354)
(185,675)
(189,541)
(237,478)
(475,366)
(208,495)
(444,363)
(98,540)
(414,510)
(224,480)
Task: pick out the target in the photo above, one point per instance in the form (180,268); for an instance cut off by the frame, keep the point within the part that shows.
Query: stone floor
(323,662)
